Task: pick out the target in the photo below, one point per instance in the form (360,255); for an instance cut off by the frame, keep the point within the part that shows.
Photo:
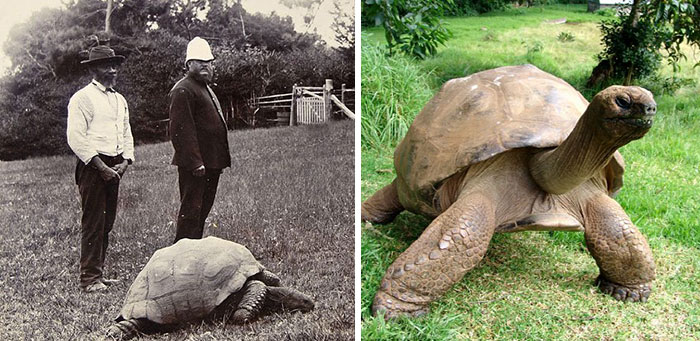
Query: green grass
(539,285)
(288,198)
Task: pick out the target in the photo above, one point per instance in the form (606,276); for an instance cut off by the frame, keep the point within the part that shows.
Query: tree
(593,5)
(412,26)
(633,42)
(344,27)
(312,7)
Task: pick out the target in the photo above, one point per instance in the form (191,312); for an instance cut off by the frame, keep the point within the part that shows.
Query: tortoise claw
(626,293)
(393,308)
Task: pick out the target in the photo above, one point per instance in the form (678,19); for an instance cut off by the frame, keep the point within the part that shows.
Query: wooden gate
(305,105)
(311,110)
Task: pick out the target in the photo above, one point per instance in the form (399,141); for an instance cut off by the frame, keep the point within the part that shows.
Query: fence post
(327,104)
(342,93)
(293,109)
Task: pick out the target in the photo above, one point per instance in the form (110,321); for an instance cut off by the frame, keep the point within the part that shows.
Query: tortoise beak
(640,116)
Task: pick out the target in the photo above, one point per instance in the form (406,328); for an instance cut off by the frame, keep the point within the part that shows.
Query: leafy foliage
(413,27)
(631,50)
(566,37)
(475,7)
(633,43)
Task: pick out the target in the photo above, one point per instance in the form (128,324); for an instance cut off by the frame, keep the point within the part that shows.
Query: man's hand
(121,168)
(107,174)
(199,172)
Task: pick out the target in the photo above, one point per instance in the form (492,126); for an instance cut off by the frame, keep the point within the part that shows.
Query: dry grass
(288,198)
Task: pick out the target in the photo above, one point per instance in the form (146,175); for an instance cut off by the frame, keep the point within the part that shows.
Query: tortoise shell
(474,118)
(187,280)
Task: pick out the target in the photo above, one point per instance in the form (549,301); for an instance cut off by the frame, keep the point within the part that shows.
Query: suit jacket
(197,127)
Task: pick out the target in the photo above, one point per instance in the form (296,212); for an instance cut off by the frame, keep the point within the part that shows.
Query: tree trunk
(108,15)
(593,5)
(634,14)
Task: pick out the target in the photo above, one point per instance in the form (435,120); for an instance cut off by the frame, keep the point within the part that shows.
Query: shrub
(413,27)
(476,7)
(565,37)
(632,50)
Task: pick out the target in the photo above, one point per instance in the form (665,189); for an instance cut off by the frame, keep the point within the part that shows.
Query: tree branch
(42,66)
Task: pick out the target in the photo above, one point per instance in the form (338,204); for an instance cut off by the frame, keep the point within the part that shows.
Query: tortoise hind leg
(449,247)
(383,206)
(620,250)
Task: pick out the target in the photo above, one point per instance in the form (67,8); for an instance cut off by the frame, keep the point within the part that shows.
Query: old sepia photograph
(177,169)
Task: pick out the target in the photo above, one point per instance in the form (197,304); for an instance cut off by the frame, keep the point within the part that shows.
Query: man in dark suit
(199,136)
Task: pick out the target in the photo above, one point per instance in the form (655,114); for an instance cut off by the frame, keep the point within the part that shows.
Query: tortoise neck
(585,152)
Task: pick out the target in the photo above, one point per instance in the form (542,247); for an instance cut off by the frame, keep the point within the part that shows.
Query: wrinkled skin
(565,188)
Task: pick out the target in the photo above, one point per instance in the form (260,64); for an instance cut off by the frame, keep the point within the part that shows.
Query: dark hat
(102,53)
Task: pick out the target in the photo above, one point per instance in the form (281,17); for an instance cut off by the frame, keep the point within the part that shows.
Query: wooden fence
(306,105)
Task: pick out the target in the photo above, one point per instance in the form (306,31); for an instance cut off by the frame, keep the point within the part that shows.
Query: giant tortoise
(191,279)
(512,149)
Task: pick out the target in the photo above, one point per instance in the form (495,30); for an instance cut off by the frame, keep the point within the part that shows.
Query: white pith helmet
(198,48)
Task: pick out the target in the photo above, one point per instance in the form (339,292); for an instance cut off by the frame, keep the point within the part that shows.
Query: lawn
(289,197)
(539,285)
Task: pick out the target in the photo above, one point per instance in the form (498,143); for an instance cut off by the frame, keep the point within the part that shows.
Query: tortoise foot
(626,293)
(242,316)
(126,329)
(394,308)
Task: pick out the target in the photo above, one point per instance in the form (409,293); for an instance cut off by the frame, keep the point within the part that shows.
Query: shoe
(95,287)
(109,282)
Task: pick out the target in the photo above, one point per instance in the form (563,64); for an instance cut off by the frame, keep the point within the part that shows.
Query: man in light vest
(199,135)
(100,136)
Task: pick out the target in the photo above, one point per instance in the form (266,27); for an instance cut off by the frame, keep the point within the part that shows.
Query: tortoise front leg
(253,298)
(127,329)
(620,250)
(449,247)
(383,206)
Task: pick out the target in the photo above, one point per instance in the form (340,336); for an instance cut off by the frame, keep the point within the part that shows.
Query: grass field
(289,197)
(539,285)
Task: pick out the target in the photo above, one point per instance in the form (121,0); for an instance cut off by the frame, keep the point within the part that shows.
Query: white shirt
(98,123)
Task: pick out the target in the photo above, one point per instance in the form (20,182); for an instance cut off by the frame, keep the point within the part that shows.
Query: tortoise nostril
(650,109)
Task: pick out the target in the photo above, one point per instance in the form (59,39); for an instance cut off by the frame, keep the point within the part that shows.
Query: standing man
(199,135)
(100,136)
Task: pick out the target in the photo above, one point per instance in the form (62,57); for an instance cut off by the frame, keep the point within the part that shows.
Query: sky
(17,11)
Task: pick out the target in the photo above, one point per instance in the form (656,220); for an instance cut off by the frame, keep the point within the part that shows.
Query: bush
(632,50)
(145,81)
(413,27)
(476,7)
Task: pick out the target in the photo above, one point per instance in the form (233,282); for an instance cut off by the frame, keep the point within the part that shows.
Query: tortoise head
(623,113)
(287,299)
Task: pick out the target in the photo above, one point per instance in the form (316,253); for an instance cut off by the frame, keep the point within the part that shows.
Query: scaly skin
(449,247)
(620,250)
(254,294)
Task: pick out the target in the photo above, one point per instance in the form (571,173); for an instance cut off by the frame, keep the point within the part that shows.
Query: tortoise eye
(622,102)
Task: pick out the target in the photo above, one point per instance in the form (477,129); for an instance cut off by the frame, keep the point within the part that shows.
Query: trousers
(98,200)
(196,199)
